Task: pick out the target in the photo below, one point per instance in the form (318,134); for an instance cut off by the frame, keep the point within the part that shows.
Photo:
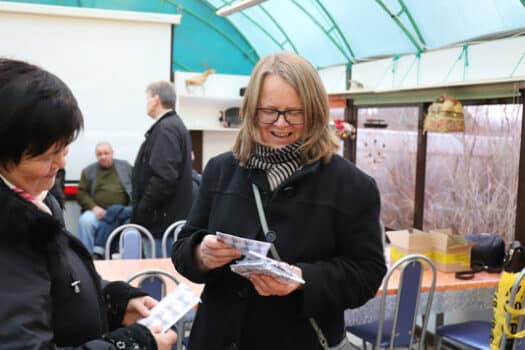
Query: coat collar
(166,115)
(21,221)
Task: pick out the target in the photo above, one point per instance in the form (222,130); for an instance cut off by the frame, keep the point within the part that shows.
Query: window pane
(386,150)
(471,178)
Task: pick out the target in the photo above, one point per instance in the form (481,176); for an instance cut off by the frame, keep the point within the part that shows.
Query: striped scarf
(278,163)
(38,201)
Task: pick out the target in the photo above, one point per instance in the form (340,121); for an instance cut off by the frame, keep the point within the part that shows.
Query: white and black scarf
(278,163)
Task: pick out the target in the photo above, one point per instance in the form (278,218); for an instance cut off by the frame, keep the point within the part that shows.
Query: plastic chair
(174,230)
(476,334)
(153,282)
(141,229)
(398,330)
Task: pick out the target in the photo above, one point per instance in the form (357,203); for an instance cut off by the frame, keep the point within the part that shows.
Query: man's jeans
(87,224)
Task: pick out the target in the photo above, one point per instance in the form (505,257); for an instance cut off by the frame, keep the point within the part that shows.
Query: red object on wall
(71,190)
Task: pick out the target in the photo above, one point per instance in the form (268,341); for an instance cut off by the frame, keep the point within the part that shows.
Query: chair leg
(438,341)
(181,327)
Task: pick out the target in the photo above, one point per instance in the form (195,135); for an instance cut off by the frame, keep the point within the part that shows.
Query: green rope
(389,68)
(348,72)
(519,62)
(418,55)
(394,68)
(463,54)
(416,58)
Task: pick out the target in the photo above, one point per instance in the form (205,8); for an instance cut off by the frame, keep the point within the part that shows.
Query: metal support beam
(519,233)
(421,164)
(400,24)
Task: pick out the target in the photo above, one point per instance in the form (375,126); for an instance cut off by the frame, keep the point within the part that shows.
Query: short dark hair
(37,110)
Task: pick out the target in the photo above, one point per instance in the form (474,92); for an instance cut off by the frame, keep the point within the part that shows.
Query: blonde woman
(323,211)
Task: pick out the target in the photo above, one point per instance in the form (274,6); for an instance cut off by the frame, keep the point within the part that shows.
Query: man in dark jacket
(102,184)
(162,182)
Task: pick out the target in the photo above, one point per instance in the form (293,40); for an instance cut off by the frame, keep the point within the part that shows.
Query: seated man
(102,184)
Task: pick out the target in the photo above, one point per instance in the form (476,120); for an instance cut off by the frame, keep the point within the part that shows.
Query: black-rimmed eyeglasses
(270,115)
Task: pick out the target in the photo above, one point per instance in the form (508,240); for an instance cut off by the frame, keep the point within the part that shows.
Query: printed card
(171,308)
(244,244)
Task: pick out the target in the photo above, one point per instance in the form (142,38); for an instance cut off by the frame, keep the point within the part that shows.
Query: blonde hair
(318,140)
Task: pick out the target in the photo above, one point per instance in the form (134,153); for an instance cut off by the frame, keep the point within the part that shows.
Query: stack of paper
(256,261)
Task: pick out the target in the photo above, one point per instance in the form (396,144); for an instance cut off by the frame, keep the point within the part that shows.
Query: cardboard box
(405,242)
(450,253)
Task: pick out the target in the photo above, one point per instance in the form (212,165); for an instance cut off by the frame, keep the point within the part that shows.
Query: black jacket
(162,183)
(326,217)
(51,296)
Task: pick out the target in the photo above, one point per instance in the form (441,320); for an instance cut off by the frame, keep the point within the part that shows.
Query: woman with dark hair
(51,295)
(322,211)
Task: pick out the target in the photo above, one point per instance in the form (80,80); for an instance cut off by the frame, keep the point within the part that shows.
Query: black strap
(476,267)
(271,239)
(465,275)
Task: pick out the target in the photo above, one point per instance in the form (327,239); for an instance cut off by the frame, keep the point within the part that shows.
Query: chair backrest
(153,281)
(141,229)
(172,230)
(130,244)
(411,269)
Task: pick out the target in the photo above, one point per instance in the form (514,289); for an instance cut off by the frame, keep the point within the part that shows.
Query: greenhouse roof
(326,32)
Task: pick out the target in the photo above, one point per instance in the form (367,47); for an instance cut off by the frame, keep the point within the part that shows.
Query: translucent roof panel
(446,22)
(368,29)
(326,32)
(330,32)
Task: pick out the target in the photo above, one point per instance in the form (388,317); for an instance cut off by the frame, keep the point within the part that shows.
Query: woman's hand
(166,340)
(269,286)
(138,308)
(212,253)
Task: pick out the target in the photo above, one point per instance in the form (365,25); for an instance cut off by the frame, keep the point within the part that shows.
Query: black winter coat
(51,296)
(326,217)
(162,183)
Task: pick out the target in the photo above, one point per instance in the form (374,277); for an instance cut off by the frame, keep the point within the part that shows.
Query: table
(121,270)
(451,295)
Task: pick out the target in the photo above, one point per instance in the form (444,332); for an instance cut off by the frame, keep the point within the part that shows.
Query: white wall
(491,60)
(200,108)
(106,57)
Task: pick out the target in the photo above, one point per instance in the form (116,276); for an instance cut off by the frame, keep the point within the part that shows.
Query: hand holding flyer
(256,261)
(171,308)
(245,245)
